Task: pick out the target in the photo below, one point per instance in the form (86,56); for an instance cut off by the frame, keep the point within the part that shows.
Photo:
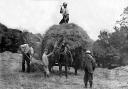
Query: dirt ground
(12,78)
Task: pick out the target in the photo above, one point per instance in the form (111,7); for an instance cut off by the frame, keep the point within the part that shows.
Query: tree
(114,45)
(124,18)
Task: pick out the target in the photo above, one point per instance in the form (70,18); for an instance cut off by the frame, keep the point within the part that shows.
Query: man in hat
(27,53)
(89,67)
(65,14)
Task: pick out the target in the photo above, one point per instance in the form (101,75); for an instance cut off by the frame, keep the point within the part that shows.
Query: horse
(77,58)
(66,61)
(60,58)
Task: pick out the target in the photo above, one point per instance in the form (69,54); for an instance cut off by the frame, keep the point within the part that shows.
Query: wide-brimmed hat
(88,51)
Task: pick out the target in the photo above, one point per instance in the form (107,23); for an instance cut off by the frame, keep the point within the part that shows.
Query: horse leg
(66,66)
(66,70)
(75,67)
(75,71)
(60,69)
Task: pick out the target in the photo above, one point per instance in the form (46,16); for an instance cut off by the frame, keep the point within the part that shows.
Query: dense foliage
(10,39)
(111,49)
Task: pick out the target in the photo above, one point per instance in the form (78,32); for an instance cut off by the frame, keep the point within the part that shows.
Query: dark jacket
(89,63)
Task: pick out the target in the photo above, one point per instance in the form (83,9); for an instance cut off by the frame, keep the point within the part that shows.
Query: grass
(12,78)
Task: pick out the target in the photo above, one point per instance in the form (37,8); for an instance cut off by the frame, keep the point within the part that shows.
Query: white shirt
(25,48)
(64,11)
(45,60)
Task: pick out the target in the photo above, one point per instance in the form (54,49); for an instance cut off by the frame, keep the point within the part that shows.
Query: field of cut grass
(11,77)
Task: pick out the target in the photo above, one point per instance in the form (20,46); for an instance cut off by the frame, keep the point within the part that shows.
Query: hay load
(74,36)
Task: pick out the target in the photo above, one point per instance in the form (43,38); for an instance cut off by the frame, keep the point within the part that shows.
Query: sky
(38,15)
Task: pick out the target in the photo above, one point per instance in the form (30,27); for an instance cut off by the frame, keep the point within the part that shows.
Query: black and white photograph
(63,44)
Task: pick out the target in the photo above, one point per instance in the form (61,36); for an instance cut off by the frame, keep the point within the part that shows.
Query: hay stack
(74,35)
(36,65)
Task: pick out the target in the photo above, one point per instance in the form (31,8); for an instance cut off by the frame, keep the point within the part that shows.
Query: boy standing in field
(45,61)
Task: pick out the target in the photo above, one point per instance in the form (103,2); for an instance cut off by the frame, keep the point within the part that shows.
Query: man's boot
(23,65)
(90,84)
(28,66)
(86,85)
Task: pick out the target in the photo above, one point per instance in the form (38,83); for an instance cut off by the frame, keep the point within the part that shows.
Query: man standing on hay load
(65,14)
(27,53)
(89,67)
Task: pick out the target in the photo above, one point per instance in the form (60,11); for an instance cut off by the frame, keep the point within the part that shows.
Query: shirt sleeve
(93,60)
(49,54)
(61,10)
(67,12)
